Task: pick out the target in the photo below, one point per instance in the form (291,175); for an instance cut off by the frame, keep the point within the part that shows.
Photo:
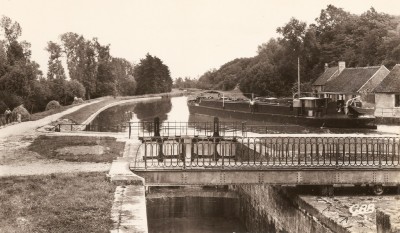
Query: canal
(196,209)
(176,110)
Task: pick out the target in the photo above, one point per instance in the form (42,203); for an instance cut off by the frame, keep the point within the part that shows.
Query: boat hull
(360,111)
(325,121)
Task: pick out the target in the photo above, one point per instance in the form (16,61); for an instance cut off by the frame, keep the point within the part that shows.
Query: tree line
(369,39)
(92,71)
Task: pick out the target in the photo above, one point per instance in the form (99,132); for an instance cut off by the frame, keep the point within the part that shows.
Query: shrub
(77,100)
(3,107)
(25,116)
(10,99)
(74,89)
(52,105)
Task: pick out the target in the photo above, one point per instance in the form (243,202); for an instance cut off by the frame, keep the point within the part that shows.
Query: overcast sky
(190,36)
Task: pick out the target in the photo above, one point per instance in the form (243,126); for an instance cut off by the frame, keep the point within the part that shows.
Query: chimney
(342,66)
(326,67)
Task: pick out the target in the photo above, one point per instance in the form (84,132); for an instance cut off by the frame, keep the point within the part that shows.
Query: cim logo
(358,209)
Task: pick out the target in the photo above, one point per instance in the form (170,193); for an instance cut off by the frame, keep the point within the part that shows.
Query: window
(397,100)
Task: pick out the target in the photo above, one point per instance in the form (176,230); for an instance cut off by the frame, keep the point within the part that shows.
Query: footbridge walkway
(273,159)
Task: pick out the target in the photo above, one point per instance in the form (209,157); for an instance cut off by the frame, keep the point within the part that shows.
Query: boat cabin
(310,106)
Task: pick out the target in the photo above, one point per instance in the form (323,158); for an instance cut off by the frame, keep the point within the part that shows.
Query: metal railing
(65,127)
(157,128)
(268,152)
(387,112)
(215,128)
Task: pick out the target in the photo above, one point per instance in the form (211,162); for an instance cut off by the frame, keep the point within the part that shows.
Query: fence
(157,128)
(268,152)
(387,112)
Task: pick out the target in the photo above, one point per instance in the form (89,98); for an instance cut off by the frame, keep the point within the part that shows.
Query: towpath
(17,160)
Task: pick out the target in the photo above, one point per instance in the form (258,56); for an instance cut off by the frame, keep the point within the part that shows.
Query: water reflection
(115,119)
(147,111)
(175,110)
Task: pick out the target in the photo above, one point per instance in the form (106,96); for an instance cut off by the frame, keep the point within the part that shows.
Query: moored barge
(307,111)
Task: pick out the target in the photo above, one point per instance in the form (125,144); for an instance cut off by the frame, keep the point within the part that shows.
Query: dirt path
(17,160)
(40,168)
(23,127)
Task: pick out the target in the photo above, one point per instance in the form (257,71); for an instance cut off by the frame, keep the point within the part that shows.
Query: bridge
(274,159)
(222,153)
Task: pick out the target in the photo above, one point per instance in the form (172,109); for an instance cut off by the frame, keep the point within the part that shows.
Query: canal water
(175,109)
(194,210)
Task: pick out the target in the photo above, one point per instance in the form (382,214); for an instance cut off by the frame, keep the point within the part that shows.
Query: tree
(152,76)
(74,47)
(293,34)
(123,71)
(12,30)
(105,76)
(55,68)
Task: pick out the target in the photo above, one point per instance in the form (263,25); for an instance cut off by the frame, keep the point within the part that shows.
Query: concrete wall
(265,208)
(385,106)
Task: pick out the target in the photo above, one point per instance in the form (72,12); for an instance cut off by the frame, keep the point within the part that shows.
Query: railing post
(156,127)
(145,155)
(216,127)
(71,127)
(130,128)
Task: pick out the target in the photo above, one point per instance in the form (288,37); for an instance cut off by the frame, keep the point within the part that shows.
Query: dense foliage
(152,76)
(92,71)
(182,83)
(371,38)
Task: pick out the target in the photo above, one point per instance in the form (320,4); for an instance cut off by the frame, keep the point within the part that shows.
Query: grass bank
(40,115)
(56,203)
(78,148)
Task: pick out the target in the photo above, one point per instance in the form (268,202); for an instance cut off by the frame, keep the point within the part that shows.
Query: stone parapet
(128,212)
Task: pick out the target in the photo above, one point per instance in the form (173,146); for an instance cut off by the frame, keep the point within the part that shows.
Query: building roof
(391,83)
(329,72)
(350,80)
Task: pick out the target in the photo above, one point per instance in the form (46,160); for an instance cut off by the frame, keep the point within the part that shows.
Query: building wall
(369,86)
(318,88)
(384,106)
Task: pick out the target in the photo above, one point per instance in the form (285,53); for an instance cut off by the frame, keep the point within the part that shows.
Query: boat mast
(298,76)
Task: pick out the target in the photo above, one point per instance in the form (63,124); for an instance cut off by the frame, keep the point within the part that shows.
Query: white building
(387,97)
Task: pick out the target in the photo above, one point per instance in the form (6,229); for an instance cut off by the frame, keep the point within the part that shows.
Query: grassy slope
(40,115)
(82,114)
(46,146)
(56,203)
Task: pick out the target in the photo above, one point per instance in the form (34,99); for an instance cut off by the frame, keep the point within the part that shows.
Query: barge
(307,111)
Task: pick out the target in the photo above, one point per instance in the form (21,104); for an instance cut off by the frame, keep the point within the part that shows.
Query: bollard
(216,127)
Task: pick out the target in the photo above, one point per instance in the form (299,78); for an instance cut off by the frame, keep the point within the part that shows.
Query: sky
(189,36)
